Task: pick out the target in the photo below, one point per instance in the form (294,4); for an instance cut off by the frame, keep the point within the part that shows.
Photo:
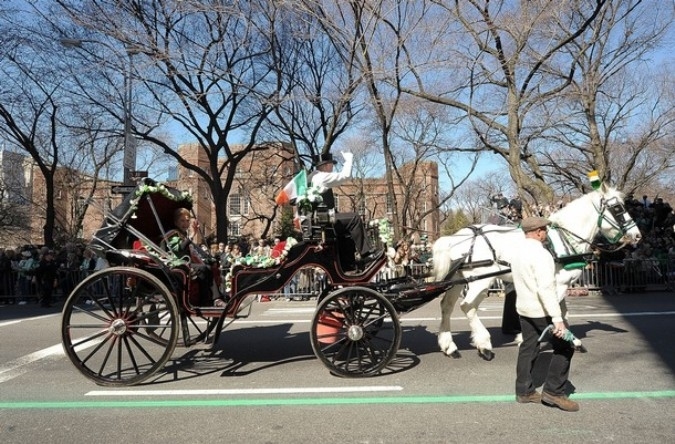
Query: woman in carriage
(201,265)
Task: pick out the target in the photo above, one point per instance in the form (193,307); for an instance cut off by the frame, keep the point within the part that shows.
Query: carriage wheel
(119,326)
(355,332)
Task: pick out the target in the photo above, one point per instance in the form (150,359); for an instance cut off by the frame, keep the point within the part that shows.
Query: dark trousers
(559,368)
(351,225)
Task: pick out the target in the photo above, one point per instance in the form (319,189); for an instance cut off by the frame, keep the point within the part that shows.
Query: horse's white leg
(480,336)
(445,341)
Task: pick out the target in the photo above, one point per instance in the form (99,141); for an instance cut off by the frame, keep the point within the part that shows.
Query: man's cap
(323,158)
(532,223)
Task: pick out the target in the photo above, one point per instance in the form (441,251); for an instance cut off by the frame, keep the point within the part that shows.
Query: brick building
(250,206)
(259,178)
(23,186)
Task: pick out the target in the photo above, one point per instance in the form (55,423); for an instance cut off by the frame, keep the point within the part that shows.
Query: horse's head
(614,222)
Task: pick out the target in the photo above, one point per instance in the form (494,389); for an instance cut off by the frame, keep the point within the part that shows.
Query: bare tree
(29,108)
(501,72)
(203,68)
(597,126)
(317,84)
(375,39)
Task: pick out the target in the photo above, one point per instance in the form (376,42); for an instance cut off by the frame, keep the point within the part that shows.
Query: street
(262,383)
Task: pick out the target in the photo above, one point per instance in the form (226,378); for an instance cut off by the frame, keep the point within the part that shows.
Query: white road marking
(17,321)
(261,391)
(273,311)
(20,365)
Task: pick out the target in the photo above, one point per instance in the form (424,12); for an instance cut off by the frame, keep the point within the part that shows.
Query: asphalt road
(262,384)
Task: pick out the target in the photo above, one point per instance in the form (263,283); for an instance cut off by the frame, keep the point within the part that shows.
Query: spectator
(515,209)
(88,261)
(26,269)
(7,275)
(47,277)
(235,252)
(645,201)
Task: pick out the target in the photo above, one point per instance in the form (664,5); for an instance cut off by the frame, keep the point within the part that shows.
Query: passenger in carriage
(179,242)
(348,226)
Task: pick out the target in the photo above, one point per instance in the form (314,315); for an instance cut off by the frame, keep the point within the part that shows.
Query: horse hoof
(488,355)
(456,354)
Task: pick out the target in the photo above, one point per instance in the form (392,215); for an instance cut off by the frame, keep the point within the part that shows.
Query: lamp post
(129,141)
(129,160)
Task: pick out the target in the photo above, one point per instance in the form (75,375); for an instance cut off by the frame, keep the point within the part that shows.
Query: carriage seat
(318,225)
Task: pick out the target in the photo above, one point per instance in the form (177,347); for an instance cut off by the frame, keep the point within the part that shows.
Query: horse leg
(480,336)
(445,341)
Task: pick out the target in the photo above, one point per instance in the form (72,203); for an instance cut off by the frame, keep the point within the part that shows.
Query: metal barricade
(21,289)
(635,275)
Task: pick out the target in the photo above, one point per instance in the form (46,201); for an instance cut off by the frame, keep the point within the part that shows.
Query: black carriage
(121,325)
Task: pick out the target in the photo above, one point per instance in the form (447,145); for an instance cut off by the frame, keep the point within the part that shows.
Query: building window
(238,205)
(234,229)
(172,174)
(362,206)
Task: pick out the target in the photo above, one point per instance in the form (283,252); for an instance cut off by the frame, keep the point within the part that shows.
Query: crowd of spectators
(29,273)
(655,219)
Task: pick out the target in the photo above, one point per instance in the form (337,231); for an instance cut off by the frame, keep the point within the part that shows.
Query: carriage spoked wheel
(119,326)
(355,332)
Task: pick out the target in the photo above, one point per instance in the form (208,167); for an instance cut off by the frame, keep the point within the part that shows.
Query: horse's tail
(442,257)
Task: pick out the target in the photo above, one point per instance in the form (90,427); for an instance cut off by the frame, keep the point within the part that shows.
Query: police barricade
(627,276)
(18,288)
(416,270)
(634,275)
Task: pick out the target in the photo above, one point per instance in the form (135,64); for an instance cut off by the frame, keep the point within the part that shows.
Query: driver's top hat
(322,159)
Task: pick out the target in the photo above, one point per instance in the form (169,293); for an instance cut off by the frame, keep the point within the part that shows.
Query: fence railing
(17,287)
(632,275)
(629,275)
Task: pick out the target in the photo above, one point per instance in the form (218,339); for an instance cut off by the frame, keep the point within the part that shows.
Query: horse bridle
(616,209)
(619,220)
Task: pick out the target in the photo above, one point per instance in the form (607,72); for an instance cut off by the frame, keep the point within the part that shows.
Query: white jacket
(533,272)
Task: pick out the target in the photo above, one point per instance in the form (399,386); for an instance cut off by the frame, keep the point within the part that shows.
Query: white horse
(486,252)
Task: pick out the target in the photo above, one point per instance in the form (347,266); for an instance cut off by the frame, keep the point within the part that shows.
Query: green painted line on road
(465,399)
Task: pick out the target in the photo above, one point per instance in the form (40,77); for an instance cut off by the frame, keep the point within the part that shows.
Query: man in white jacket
(537,305)
(348,226)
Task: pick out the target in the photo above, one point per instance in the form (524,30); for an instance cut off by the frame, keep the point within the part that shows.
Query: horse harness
(468,258)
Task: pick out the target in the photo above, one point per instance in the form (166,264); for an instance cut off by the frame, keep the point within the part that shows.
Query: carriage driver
(349,227)
(178,241)
(537,305)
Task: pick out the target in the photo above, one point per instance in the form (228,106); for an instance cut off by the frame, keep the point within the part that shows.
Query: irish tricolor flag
(296,187)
